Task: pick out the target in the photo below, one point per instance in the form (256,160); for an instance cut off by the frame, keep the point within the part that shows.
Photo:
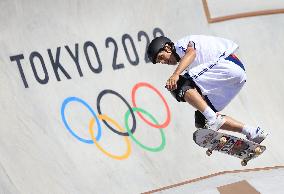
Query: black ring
(102,93)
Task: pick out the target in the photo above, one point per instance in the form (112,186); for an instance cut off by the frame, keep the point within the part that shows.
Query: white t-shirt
(217,78)
(208,48)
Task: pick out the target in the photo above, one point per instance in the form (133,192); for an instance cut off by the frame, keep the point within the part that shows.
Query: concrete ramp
(75,83)
(253,181)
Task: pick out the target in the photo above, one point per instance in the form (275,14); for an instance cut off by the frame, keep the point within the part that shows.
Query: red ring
(141,84)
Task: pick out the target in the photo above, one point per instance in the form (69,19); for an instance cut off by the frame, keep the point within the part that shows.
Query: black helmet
(156,45)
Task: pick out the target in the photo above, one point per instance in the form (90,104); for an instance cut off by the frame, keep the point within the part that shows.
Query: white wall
(39,155)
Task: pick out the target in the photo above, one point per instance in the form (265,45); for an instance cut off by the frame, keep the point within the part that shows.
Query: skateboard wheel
(244,162)
(258,150)
(208,152)
(223,140)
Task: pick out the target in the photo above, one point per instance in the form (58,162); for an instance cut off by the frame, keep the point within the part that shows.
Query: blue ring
(65,102)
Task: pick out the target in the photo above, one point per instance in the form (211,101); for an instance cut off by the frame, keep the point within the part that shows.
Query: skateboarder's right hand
(172,82)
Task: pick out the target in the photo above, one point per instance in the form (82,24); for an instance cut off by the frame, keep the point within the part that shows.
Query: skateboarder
(214,76)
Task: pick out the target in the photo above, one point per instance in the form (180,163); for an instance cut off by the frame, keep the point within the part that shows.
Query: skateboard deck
(228,144)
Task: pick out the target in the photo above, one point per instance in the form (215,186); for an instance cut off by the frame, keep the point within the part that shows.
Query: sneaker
(220,120)
(257,136)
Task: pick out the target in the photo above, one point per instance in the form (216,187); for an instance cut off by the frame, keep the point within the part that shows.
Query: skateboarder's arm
(187,59)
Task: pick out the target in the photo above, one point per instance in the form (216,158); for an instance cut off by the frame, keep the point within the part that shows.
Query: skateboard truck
(256,151)
(221,143)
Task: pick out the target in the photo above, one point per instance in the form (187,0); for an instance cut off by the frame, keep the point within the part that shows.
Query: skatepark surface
(83,110)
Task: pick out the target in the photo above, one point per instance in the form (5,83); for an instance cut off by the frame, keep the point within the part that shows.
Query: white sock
(247,130)
(210,115)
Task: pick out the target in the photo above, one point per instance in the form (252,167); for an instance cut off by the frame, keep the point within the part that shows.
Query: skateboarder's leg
(195,99)
(187,91)
(232,125)
(255,134)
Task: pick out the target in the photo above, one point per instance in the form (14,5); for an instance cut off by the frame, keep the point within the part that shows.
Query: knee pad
(183,85)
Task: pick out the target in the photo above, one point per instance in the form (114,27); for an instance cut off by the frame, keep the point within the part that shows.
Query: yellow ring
(91,131)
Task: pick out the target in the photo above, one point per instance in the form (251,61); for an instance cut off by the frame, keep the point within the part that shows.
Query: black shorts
(184,83)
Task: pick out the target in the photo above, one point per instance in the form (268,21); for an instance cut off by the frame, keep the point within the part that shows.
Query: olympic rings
(119,130)
(155,149)
(106,118)
(102,93)
(70,99)
(141,84)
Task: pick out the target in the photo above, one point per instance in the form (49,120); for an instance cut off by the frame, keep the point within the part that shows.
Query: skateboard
(216,141)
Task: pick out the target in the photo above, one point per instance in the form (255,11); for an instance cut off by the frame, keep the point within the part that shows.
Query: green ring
(152,149)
